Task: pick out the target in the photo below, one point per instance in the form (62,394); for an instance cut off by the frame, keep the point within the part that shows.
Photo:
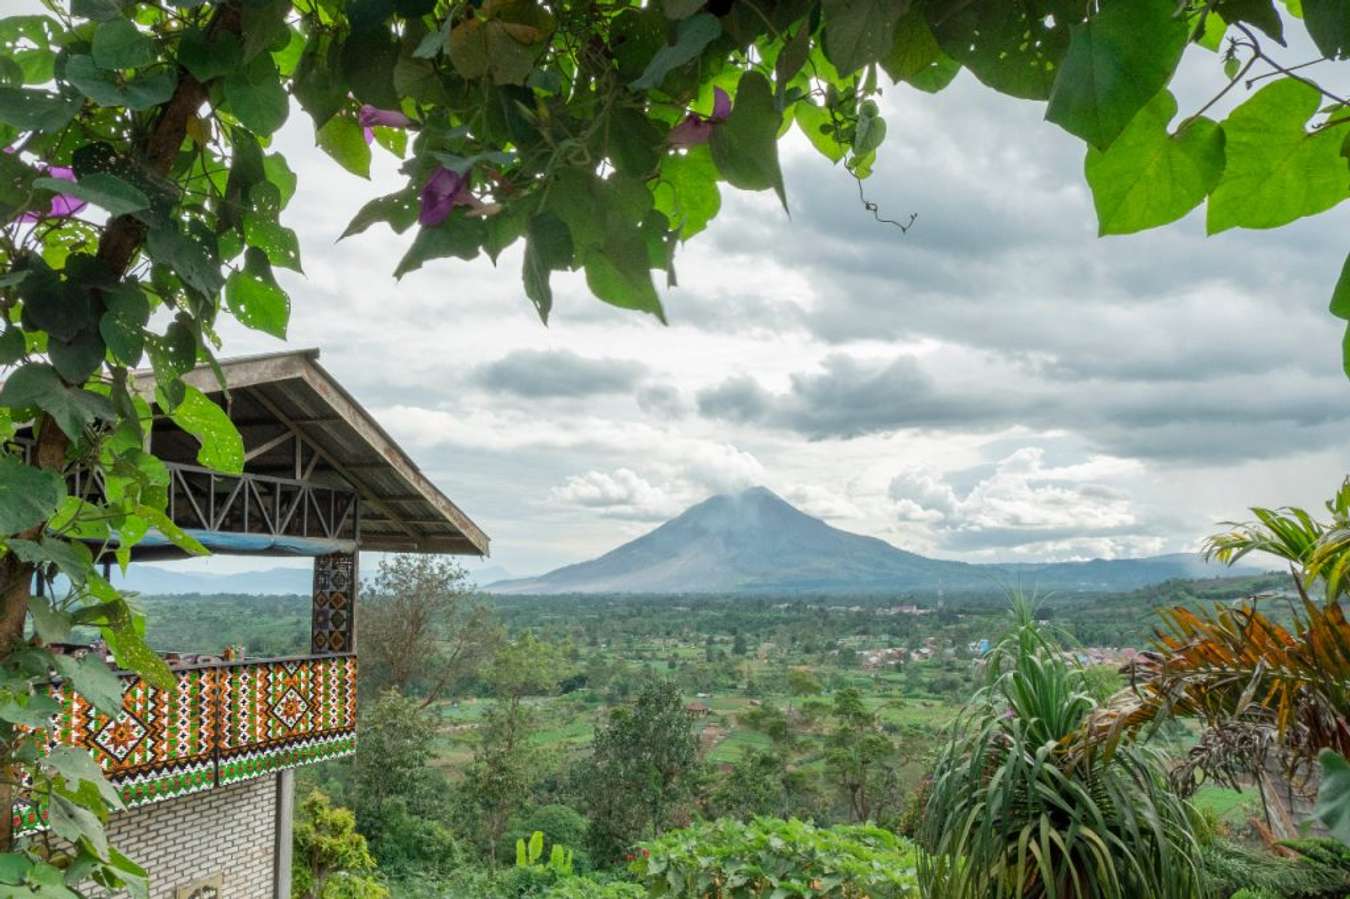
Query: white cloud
(619,494)
(1028,507)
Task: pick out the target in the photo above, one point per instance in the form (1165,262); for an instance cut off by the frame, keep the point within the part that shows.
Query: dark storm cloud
(1220,420)
(850,398)
(557,373)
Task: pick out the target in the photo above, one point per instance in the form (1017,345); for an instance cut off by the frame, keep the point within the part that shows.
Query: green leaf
(28,495)
(1014,46)
(793,56)
(189,257)
(681,9)
(122,325)
(913,50)
(93,680)
(870,131)
(255,299)
(815,122)
(745,146)
(318,83)
(278,242)
(572,197)
(1333,794)
(119,44)
(102,189)
(1261,13)
(1117,61)
(77,766)
(692,35)
(209,58)
(686,193)
(221,448)
(149,89)
(368,60)
(634,143)
(1328,23)
(132,654)
(940,73)
(51,625)
(35,110)
(1276,171)
(344,140)
(175,535)
(459,235)
(618,272)
(14,868)
(398,210)
(548,248)
(75,823)
(37,386)
(1340,307)
(858,32)
(1148,177)
(256,96)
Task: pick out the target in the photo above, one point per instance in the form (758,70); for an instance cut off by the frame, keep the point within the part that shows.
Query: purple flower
(370,116)
(444,190)
(63,205)
(696,129)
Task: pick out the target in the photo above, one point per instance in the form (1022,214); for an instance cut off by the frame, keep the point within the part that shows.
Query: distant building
(698,710)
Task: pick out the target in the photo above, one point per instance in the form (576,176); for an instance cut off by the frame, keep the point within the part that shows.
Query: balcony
(224,721)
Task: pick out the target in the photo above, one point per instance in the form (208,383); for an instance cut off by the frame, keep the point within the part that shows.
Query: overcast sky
(999,383)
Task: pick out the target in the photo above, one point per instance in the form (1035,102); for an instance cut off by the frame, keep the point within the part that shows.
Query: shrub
(1230,867)
(1022,806)
(769,856)
(559,824)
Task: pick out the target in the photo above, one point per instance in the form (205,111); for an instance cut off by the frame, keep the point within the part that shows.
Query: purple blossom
(696,129)
(444,190)
(371,116)
(63,205)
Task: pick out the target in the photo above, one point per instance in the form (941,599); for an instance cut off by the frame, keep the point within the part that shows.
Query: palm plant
(1020,807)
(1314,550)
(1270,696)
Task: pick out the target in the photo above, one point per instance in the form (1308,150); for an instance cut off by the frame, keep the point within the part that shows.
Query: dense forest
(494,729)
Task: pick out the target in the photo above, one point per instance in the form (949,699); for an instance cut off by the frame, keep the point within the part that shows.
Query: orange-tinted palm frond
(1235,663)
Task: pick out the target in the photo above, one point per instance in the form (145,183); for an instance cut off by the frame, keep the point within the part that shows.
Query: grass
(1231,806)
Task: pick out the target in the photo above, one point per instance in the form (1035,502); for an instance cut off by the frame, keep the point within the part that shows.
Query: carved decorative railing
(223,722)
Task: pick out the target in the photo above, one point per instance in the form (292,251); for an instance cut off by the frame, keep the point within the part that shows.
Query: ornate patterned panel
(287,713)
(163,743)
(334,609)
(220,724)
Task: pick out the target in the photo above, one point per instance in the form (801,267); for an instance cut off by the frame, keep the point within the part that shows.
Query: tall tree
(643,766)
(860,759)
(421,626)
(505,764)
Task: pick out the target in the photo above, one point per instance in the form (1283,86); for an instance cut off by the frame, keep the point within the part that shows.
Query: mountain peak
(754,540)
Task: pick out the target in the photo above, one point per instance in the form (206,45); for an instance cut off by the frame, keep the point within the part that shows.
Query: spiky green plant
(1020,809)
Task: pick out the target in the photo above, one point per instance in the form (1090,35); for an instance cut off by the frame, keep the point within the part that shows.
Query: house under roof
(309,446)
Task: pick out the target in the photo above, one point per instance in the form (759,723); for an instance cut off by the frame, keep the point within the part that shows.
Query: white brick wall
(229,831)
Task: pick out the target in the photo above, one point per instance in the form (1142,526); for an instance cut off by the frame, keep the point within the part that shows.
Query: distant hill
(153,580)
(757,541)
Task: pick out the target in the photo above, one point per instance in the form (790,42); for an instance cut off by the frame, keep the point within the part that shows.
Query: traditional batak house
(206,769)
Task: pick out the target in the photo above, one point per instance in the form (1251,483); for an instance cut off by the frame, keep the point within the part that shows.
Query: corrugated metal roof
(276,395)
